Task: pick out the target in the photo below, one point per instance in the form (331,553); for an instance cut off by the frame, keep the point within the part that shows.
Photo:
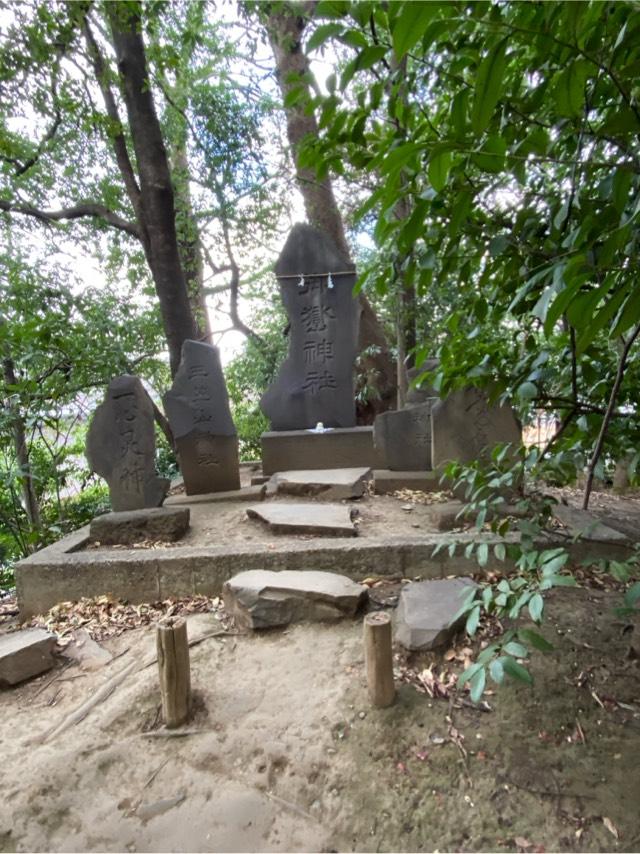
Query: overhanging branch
(85,209)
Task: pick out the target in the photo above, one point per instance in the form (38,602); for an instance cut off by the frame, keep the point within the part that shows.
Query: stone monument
(403,437)
(197,406)
(316,381)
(465,426)
(121,446)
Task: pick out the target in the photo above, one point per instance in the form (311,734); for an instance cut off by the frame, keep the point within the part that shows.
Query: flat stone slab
(334,484)
(589,527)
(25,654)
(327,520)
(263,599)
(386,482)
(156,524)
(424,619)
(298,450)
(247,493)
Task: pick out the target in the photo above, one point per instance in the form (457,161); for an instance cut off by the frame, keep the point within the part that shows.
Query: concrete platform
(303,449)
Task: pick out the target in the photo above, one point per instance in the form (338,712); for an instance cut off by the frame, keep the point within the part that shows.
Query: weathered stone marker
(425,617)
(316,382)
(404,437)
(197,406)
(25,654)
(121,446)
(465,426)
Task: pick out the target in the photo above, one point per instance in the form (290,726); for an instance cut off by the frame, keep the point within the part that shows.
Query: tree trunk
(29,497)
(285,28)
(156,190)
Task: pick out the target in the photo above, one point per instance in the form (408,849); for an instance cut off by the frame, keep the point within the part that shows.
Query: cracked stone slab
(328,520)
(262,599)
(426,610)
(332,484)
(589,527)
(158,524)
(25,654)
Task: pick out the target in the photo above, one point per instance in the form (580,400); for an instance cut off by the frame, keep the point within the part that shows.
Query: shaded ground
(286,754)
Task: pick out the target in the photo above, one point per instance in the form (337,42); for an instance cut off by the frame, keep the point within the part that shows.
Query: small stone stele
(197,406)
(25,654)
(264,599)
(404,437)
(465,426)
(426,609)
(156,524)
(121,446)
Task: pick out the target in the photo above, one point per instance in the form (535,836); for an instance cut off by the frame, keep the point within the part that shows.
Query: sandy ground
(285,753)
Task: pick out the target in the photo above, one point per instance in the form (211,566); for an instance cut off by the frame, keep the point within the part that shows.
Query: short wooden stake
(379,659)
(174,670)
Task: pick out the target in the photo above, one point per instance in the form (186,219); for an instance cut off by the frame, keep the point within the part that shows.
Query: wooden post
(378,658)
(174,669)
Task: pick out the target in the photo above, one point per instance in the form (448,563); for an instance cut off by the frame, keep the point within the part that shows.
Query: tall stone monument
(316,382)
(197,406)
(121,446)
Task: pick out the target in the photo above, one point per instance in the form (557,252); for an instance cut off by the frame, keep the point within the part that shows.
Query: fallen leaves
(613,830)
(104,617)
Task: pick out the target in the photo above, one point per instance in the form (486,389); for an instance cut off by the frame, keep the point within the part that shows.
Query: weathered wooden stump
(174,670)
(379,659)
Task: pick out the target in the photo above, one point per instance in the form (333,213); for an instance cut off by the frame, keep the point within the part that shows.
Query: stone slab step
(247,493)
(588,526)
(328,520)
(330,484)
(25,654)
(263,599)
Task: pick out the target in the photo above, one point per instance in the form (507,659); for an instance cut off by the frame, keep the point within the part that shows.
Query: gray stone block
(327,520)
(197,406)
(305,449)
(465,426)
(121,446)
(585,525)
(404,437)
(25,654)
(426,610)
(416,396)
(330,484)
(385,482)
(262,599)
(247,493)
(316,380)
(158,524)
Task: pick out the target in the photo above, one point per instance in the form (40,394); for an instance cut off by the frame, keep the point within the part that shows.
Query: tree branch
(84,209)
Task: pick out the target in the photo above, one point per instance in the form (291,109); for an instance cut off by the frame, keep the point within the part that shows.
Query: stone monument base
(348,447)
(209,463)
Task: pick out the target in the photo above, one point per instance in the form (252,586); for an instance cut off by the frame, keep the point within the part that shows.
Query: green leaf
(601,319)
(517,671)
(410,25)
(500,551)
(632,595)
(472,620)
(468,674)
(527,391)
(536,640)
(488,86)
(490,158)
(476,684)
(322,34)
(569,90)
(536,605)
(496,670)
(438,170)
(483,554)
(620,188)
(516,649)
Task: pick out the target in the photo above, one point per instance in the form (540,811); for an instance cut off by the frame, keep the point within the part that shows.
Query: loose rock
(25,654)
(424,619)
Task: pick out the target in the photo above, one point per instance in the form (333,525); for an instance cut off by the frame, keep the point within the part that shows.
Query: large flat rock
(25,654)
(426,610)
(262,599)
(157,524)
(332,484)
(327,520)
(587,526)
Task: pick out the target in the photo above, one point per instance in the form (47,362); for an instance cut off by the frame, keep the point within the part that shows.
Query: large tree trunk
(285,29)
(157,207)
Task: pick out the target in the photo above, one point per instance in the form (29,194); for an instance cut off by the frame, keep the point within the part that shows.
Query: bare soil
(284,752)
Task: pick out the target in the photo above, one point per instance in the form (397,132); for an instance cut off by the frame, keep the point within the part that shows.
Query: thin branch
(622,364)
(85,209)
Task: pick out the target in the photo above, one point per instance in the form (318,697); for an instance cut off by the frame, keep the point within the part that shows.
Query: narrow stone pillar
(379,659)
(174,670)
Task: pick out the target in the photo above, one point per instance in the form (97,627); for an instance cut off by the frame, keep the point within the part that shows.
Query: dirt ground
(285,753)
